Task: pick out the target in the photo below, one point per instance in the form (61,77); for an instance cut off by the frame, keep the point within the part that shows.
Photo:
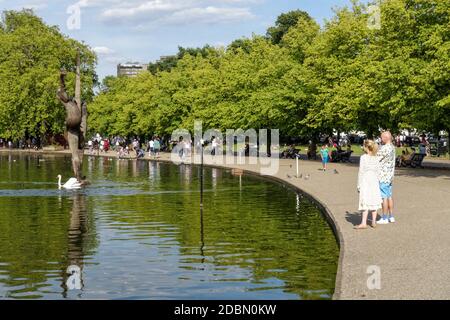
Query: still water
(137,232)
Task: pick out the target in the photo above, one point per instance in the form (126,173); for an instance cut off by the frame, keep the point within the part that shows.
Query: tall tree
(284,22)
(31,56)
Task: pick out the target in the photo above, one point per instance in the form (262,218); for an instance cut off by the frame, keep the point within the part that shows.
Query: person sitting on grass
(401,158)
(368,184)
(408,158)
(349,148)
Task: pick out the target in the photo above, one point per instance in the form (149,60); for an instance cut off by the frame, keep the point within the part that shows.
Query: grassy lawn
(357,151)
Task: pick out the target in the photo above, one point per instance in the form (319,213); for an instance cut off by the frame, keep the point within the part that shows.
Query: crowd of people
(186,147)
(126,147)
(23,144)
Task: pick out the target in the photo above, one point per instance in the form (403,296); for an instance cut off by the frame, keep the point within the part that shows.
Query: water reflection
(137,232)
(154,173)
(214,177)
(202,236)
(73,273)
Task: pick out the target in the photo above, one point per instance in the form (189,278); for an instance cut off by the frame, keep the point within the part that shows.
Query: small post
(201,174)
(296,162)
(202,236)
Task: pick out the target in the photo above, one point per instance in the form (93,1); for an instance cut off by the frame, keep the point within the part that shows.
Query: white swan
(72,183)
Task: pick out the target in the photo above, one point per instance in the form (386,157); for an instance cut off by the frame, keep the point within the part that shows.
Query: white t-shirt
(151,143)
(387,163)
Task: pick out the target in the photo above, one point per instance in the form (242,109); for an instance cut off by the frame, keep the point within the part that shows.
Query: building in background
(131,69)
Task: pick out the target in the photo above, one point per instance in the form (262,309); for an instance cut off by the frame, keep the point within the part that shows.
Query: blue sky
(143,30)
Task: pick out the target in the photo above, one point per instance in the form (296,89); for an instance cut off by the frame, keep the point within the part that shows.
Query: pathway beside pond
(428,163)
(413,254)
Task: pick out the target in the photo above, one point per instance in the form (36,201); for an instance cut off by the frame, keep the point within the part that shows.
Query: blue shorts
(386,190)
(325,160)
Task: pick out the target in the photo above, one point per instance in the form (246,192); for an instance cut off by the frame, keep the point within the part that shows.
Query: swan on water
(72,183)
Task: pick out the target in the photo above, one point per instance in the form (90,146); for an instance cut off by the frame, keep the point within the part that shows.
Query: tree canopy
(31,56)
(301,78)
(167,63)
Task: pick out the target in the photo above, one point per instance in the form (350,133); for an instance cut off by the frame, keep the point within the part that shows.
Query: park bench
(343,156)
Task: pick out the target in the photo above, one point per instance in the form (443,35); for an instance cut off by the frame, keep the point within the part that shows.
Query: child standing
(368,184)
(325,155)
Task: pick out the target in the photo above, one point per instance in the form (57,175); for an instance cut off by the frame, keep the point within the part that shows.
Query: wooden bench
(343,156)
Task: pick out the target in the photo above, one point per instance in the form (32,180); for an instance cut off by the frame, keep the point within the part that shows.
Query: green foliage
(284,23)
(31,56)
(302,79)
(229,89)
(169,62)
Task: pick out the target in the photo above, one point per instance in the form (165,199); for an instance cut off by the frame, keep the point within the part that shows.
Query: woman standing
(368,184)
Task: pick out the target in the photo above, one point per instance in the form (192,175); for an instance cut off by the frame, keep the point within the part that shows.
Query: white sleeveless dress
(368,183)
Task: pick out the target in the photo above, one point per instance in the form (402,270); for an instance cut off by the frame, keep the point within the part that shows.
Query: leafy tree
(169,62)
(31,56)
(243,44)
(303,79)
(284,22)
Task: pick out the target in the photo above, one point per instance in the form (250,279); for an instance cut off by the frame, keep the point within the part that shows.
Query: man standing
(386,177)
(156,147)
(151,147)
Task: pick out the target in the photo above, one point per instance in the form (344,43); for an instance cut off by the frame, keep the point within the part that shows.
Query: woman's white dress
(368,183)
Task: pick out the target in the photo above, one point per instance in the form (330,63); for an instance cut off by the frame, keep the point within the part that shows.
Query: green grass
(357,150)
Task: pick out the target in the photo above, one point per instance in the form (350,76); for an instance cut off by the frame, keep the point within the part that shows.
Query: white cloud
(96,3)
(35,5)
(143,13)
(115,60)
(108,55)
(138,11)
(207,15)
(104,51)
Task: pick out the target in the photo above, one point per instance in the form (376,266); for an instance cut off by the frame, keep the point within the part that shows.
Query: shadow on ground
(355,217)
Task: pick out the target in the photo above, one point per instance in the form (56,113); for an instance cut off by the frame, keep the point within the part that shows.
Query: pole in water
(201,174)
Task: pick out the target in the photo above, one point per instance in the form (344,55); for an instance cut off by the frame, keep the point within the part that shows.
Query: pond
(137,232)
